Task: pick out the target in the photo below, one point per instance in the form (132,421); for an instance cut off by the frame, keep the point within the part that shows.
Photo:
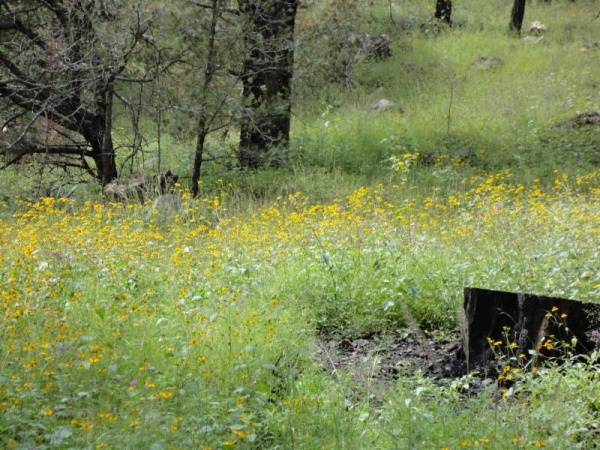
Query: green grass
(122,332)
(124,329)
(505,114)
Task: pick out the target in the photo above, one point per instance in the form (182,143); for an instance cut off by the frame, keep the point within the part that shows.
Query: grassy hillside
(506,115)
(216,326)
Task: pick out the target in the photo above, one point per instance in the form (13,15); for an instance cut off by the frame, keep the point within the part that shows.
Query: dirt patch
(377,362)
(390,357)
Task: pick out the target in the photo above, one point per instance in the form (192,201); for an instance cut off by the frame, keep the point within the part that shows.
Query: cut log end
(526,327)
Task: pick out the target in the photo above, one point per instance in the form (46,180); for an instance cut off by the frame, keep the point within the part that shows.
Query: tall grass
(507,115)
(122,331)
(127,328)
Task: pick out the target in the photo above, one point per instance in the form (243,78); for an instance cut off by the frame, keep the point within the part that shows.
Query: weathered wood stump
(527,326)
(138,185)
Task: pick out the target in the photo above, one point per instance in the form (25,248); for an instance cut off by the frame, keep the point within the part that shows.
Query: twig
(392,14)
(334,373)
(418,332)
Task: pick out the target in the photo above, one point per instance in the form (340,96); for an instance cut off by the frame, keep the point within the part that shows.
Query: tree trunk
(203,119)
(101,138)
(523,325)
(102,153)
(443,11)
(516,17)
(267,80)
(109,163)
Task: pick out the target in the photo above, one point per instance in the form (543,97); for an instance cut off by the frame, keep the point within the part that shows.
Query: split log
(525,325)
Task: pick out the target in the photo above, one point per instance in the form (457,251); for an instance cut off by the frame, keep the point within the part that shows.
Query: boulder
(382,105)
(165,205)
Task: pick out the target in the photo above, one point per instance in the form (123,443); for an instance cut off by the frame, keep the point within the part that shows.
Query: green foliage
(507,115)
(128,329)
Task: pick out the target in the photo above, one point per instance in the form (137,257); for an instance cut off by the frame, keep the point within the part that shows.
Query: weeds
(187,331)
(127,329)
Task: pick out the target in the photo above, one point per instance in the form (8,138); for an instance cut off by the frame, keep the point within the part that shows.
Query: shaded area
(391,357)
(528,326)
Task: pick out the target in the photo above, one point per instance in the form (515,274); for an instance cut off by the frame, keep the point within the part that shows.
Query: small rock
(536,28)
(332,344)
(402,364)
(475,383)
(382,105)
(486,382)
(360,343)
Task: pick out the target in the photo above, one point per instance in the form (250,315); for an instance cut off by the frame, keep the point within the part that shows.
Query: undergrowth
(200,329)
(125,327)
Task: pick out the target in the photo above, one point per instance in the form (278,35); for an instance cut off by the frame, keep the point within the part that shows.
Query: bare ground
(381,360)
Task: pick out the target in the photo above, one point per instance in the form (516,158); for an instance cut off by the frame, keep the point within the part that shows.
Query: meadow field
(127,328)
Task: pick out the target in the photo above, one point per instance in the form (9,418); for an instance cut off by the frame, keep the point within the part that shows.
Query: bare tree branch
(221,8)
(59,63)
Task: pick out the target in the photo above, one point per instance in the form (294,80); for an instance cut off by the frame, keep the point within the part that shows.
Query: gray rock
(165,205)
(382,105)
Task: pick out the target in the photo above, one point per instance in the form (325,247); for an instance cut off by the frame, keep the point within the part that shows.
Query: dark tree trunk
(102,153)
(516,17)
(96,130)
(203,119)
(443,11)
(520,324)
(267,80)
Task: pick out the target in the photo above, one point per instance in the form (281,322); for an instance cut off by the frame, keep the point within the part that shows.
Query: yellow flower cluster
(93,293)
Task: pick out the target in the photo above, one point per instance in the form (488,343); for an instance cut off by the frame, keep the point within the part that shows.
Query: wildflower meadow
(126,331)
(210,325)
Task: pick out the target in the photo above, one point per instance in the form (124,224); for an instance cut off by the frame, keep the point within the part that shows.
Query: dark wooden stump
(529,325)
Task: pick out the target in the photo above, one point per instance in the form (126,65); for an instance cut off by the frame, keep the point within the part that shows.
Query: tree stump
(527,326)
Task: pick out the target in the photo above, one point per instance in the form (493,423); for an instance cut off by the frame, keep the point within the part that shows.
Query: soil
(379,359)
(584,119)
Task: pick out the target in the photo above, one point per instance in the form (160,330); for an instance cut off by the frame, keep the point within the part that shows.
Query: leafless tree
(61,64)
(212,111)
(252,45)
